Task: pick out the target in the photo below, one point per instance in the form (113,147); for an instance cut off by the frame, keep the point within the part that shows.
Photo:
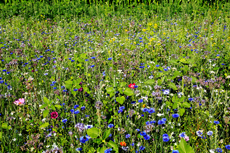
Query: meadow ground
(116,82)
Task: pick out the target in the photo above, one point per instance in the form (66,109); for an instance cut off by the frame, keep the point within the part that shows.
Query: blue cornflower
(127,136)
(122,107)
(140,100)
(92,66)
(157,65)
(83,108)
(51,85)
(76,112)
(216,122)
(142,148)
(75,89)
(147,123)
(137,130)
(88,126)
(72,110)
(108,150)
(227,147)
(166,92)
(144,109)
(175,115)
(218,150)
(87,60)
(93,57)
(164,119)
(4,70)
(133,102)
(166,139)
(110,58)
(133,144)
(152,122)
(199,133)
(135,86)
(76,106)
(120,111)
(209,133)
(63,87)
(78,149)
(190,99)
(160,122)
(175,151)
(64,120)
(151,110)
(182,135)
(84,139)
(110,126)
(147,137)
(165,135)
(64,90)
(143,133)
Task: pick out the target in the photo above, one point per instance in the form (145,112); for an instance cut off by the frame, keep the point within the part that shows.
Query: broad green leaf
(120,100)
(174,99)
(175,105)
(172,85)
(44,125)
(45,113)
(128,92)
(93,132)
(110,90)
(181,111)
(168,103)
(43,106)
(46,100)
(106,134)
(4,126)
(0,135)
(58,106)
(184,147)
(113,145)
(194,79)
(102,150)
(123,84)
(150,82)
(176,74)
(68,84)
(91,150)
(186,105)
(97,141)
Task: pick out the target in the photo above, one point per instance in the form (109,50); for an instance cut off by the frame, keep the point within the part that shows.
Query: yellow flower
(119,54)
(150,24)
(143,105)
(155,26)
(110,41)
(108,51)
(113,39)
(153,50)
(164,33)
(126,39)
(149,43)
(159,44)
(143,30)
(126,30)
(135,43)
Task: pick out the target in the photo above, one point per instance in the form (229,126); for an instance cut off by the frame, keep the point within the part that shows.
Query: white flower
(14,139)
(212,151)
(160,114)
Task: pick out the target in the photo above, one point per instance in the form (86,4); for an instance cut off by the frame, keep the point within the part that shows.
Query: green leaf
(68,84)
(4,126)
(58,106)
(186,105)
(176,74)
(128,92)
(123,84)
(194,79)
(93,132)
(46,100)
(91,150)
(184,147)
(0,135)
(120,100)
(110,91)
(172,85)
(44,125)
(150,82)
(97,141)
(43,106)
(45,113)
(102,150)
(113,145)
(106,134)
(181,111)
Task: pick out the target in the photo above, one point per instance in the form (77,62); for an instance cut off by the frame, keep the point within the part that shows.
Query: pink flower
(54,115)
(20,101)
(186,138)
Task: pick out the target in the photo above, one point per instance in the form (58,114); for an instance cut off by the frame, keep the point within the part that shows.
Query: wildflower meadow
(99,76)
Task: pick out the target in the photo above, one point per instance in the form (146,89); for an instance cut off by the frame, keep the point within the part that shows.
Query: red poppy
(54,115)
(123,143)
(132,85)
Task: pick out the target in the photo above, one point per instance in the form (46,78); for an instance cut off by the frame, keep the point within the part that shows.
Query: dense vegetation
(114,76)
